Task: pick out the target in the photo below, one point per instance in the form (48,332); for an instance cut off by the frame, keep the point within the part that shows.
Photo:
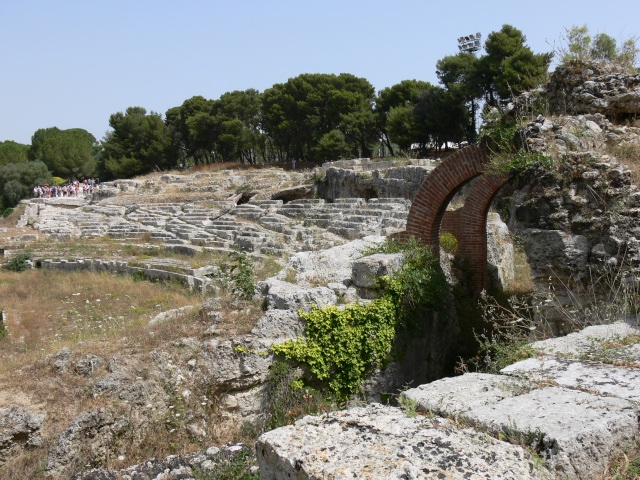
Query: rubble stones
(19,428)
(211,462)
(91,432)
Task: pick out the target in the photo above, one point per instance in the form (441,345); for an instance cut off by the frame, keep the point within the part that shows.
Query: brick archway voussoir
(430,203)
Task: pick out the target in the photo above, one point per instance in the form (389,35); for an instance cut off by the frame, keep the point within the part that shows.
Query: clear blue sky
(73,63)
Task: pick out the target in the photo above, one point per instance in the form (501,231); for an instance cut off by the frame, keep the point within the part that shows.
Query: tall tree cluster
(65,154)
(311,117)
(508,68)
(138,143)
(581,48)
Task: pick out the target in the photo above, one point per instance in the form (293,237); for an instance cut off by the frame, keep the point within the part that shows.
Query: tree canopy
(582,49)
(314,116)
(66,153)
(297,114)
(138,143)
(403,94)
(13,152)
(18,179)
(508,68)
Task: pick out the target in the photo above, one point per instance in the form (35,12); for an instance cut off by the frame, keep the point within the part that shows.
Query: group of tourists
(73,188)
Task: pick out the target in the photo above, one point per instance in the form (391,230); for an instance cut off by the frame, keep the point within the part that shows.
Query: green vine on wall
(343,345)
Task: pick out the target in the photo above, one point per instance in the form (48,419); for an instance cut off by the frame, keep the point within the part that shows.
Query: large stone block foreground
(576,405)
(382,442)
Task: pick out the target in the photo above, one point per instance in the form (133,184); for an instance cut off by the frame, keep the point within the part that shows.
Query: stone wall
(193,280)
(579,222)
(374,179)
(589,89)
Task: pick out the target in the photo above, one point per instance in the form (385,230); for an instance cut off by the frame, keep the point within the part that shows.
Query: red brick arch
(469,224)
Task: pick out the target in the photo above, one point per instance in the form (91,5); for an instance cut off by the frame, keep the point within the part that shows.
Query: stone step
(306,202)
(393,223)
(266,203)
(382,442)
(163,236)
(350,201)
(228,234)
(380,202)
(346,232)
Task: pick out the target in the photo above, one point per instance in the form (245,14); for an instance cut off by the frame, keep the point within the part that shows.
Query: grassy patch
(628,154)
(50,309)
(625,466)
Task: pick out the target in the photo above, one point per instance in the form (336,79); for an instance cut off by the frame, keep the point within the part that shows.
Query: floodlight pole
(471,44)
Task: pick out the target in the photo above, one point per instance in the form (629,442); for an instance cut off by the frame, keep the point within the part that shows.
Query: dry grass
(11,220)
(101,314)
(50,309)
(629,155)
(625,466)
(29,466)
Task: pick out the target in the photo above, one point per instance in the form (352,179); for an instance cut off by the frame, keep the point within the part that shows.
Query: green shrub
(7,212)
(449,243)
(287,398)
(139,276)
(239,275)
(18,263)
(499,137)
(319,177)
(342,346)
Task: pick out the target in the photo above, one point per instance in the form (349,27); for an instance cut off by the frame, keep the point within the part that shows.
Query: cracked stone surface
(601,379)
(382,442)
(575,431)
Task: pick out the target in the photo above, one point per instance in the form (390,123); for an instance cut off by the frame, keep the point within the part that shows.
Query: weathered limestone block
(554,252)
(576,432)
(381,442)
(375,180)
(588,340)
(367,270)
(607,380)
(282,295)
(455,396)
(18,428)
(333,265)
(236,364)
(279,325)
